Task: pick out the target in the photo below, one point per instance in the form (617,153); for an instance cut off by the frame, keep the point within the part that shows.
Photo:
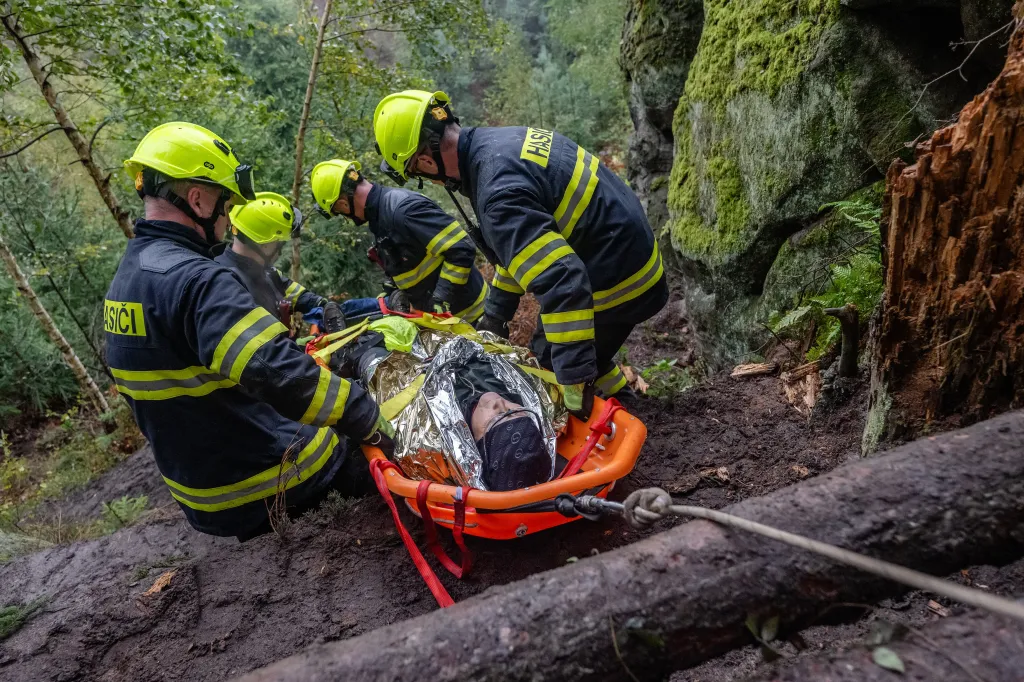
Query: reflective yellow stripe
(504,281)
(293,291)
(456,274)
(310,460)
(578,192)
(537,257)
(568,326)
(635,285)
(242,341)
(428,265)
(170,383)
(328,403)
(611,382)
(473,312)
(445,239)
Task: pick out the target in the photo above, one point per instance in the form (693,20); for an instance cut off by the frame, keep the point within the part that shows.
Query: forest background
(119,68)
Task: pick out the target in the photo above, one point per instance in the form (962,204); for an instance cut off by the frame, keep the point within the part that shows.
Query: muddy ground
(233,607)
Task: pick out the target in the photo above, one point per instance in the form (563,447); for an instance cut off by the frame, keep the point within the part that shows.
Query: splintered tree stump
(682,596)
(949,347)
(976,646)
(849,322)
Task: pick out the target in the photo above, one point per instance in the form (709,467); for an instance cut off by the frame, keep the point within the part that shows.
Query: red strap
(385,310)
(444,599)
(459,571)
(602,427)
(312,345)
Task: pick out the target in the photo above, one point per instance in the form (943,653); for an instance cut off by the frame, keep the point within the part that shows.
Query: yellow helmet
(267,218)
(329,178)
(398,123)
(186,151)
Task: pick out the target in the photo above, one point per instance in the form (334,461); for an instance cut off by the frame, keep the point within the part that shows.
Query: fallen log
(976,646)
(681,597)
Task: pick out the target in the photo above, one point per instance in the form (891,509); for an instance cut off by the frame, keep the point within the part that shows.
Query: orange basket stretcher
(516,513)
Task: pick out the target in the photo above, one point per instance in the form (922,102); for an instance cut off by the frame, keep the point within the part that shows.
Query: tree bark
(300,137)
(849,322)
(975,646)
(85,382)
(949,344)
(71,131)
(681,597)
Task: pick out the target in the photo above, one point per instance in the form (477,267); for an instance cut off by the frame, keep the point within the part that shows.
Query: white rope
(644,507)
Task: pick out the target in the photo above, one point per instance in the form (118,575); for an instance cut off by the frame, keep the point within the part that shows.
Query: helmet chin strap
(208,224)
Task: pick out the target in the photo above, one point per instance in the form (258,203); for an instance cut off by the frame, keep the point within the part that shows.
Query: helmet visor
(297,221)
(392,173)
(243,178)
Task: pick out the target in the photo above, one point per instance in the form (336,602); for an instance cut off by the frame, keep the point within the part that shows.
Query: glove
(399,302)
(382,436)
(579,400)
(490,323)
(441,307)
(334,320)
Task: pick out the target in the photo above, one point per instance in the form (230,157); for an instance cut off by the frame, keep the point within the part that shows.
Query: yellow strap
(546,375)
(393,407)
(340,340)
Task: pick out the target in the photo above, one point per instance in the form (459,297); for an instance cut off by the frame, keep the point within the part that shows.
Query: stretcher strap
(444,600)
(599,428)
(459,571)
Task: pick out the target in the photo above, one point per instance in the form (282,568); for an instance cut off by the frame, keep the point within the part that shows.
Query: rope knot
(644,507)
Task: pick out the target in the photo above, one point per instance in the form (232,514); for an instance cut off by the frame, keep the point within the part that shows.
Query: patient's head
(512,446)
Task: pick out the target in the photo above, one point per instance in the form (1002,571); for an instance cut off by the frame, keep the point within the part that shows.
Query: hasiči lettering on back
(123,318)
(537,146)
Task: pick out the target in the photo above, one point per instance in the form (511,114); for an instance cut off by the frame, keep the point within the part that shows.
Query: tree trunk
(85,382)
(682,596)
(74,135)
(300,137)
(975,646)
(949,344)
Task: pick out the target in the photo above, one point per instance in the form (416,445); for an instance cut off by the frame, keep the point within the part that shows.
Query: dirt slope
(231,607)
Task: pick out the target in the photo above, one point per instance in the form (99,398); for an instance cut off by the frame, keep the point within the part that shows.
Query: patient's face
(487,410)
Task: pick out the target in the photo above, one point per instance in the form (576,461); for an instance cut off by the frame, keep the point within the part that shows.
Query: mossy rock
(787,106)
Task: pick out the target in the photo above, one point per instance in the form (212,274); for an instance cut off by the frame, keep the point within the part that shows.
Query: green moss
(755,45)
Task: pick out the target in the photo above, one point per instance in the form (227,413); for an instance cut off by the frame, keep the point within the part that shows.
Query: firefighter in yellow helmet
(236,413)
(553,220)
(424,252)
(261,228)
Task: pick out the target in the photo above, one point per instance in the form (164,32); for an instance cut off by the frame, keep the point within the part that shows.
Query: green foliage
(856,279)
(118,514)
(665,380)
(12,617)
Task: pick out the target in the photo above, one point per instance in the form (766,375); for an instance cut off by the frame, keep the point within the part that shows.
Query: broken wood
(802,386)
(949,343)
(849,322)
(682,596)
(975,646)
(754,369)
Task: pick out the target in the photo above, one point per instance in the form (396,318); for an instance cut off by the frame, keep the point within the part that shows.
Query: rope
(645,507)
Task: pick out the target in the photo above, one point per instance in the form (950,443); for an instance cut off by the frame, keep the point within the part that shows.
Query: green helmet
(186,151)
(329,179)
(398,126)
(266,219)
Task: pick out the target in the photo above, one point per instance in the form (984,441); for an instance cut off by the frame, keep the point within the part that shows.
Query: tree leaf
(770,629)
(751,624)
(886,658)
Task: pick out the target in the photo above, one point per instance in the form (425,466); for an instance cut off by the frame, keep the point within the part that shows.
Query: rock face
(785,106)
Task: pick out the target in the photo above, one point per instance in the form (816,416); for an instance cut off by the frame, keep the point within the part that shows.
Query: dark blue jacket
(268,285)
(566,229)
(425,251)
(234,411)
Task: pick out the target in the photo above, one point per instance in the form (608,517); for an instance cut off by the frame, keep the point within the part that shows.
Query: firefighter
(261,228)
(235,413)
(423,251)
(553,220)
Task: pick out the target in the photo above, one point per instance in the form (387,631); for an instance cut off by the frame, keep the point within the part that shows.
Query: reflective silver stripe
(528,270)
(329,401)
(290,475)
(504,281)
(613,297)
(609,382)
(561,327)
(259,326)
(162,384)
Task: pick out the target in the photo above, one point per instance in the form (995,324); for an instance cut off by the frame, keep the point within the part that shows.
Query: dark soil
(233,607)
